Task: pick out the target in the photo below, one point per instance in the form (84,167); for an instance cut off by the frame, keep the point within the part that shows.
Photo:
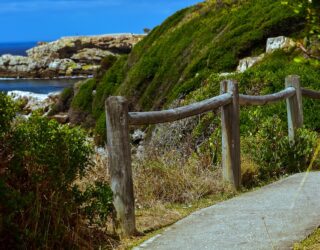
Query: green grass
(312,242)
(83,100)
(178,56)
(264,78)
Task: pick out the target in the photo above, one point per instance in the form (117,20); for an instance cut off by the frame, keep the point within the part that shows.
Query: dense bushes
(7,112)
(270,149)
(40,207)
(267,146)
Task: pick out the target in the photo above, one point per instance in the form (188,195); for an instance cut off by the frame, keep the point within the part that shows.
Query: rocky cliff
(68,56)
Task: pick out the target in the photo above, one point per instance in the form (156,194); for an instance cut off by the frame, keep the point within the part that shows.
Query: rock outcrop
(68,56)
(273,43)
(280,42)
(29,102)
(248,62)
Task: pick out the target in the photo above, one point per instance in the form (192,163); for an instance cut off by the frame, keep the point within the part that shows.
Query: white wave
(34,101)
(17,94)
(7,79)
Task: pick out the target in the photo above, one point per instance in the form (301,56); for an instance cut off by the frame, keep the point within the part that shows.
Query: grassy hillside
(179,56)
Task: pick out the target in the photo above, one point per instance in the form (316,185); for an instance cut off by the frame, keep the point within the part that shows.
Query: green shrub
(83,100)
(39,208)
(51,147)
(109,85)
(101,130)
(7,112)
(270,149)
(105,64)
(96,202)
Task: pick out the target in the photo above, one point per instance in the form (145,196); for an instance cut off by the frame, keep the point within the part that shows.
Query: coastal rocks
(17,65)
(66,47)
(68,56)
(61,118)
(248,62)
(31,101)
(280,42)
(91,54)
(63,65)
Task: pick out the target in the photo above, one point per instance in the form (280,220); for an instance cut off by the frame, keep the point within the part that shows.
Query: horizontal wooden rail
(265,99)
(310,93)
(155,117)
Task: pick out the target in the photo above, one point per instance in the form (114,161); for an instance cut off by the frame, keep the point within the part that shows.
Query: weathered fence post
(120,164)
(294,107)
(231,135)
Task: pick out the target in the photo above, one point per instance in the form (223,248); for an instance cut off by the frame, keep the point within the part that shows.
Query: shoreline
(47,78)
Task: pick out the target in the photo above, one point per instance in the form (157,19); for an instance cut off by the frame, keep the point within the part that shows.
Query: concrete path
(273,217)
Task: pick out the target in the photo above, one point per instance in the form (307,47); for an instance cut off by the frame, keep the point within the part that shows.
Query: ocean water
(38,86)
(17,48)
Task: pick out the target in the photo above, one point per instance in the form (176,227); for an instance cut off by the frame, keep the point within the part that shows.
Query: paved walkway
(273,217)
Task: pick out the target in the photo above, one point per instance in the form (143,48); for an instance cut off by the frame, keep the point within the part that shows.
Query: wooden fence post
(120,164)
(231,135)
(294,107)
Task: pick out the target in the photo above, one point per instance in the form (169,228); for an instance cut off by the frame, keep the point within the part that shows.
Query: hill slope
(179,56)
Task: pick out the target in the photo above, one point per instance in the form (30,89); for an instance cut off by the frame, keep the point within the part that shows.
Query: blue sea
(39,86)
(16,48)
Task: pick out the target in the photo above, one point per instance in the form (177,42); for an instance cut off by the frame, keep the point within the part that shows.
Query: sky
(47,20)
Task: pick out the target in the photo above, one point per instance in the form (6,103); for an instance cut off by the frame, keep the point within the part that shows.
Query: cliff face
(68,56)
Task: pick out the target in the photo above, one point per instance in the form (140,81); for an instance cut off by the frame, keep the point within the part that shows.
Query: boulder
(62,65)
(280,42)
(248,62)
(138,136)
(61,118)
(91,55)
(21,66)
(17,63)
(33,101)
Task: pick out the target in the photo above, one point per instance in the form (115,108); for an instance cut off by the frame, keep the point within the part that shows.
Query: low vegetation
(312,242)
(40,207)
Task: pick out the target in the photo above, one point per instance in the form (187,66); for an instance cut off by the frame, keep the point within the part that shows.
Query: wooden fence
(119,119)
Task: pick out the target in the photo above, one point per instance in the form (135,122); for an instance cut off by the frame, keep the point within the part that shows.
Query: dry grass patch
(168,186)
(173,177)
